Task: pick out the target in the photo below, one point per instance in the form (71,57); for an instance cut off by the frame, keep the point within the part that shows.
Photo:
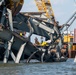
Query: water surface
(57,68)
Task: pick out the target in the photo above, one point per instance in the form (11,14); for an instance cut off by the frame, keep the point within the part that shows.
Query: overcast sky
(63,9)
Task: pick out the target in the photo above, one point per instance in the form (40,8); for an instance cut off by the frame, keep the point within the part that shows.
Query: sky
(63,10)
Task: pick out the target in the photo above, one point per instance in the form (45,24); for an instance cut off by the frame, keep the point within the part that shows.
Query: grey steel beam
(31,29)
(71,17)
(17,60)
(7,53)
(10,19)
(43,26)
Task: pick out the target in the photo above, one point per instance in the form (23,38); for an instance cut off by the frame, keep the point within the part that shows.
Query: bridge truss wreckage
(17,46)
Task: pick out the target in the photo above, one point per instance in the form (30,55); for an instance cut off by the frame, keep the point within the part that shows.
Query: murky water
(59,68)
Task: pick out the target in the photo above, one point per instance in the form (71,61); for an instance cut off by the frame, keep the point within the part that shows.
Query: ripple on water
(58,68)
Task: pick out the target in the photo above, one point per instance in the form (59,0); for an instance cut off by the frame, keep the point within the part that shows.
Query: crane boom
(45,6)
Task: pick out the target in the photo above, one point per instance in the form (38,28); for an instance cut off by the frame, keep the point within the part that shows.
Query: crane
(45,6)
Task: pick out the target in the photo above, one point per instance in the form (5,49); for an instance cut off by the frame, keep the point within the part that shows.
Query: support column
(17,60)
(13,56)
(6,56)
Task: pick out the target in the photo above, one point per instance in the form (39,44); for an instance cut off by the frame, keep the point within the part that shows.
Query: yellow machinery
(68,38)
(45,6)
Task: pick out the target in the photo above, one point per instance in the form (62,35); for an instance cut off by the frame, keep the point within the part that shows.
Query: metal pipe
(68,21)
(71,17)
